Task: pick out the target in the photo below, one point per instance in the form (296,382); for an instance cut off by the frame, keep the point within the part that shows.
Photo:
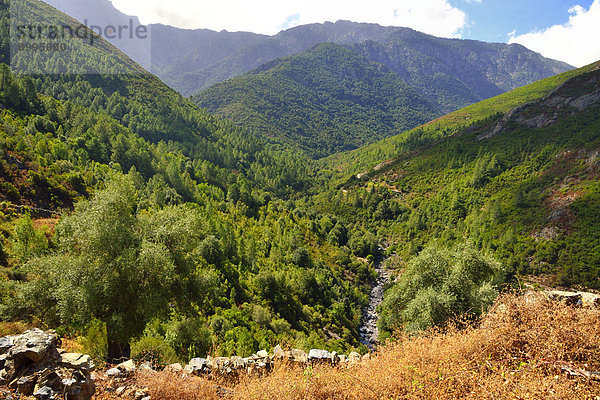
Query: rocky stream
(369,332)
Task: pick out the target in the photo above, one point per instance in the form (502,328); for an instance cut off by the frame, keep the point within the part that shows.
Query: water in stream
(368,330)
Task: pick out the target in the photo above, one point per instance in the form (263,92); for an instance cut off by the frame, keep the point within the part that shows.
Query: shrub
(95,342)
(154,350)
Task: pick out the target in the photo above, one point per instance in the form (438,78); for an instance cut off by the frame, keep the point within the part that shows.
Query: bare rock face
(32,365)
(574,96)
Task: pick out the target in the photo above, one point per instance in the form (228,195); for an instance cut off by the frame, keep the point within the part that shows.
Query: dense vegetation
(231,268)
(324,101)
(130,217)
(177,200)
(528,195)
(333,98)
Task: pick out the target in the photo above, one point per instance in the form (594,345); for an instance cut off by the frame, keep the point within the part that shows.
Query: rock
(197,366)
(49,378)
(44,393)
(79,386)
(175,368)
(237,362)
(114,372)
(319,355)
(590,300)
(33,345)
(335,358)
(299,356)
(120,390)
(263,354)
(77,361)
(24,385)
(6,343)
(128,366)
(354,357)
(140,394)
(147,366)
(567,298)
(278,352)
(218,363)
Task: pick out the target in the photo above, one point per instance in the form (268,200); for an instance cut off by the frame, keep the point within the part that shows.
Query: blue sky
(566,30)
(492,20)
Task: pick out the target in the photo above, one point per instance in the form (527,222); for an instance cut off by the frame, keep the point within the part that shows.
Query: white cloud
(436,17)
(575,42)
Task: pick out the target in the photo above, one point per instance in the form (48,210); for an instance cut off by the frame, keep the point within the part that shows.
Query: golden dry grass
(516,352)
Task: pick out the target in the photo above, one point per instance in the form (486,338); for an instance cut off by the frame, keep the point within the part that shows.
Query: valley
(339,210)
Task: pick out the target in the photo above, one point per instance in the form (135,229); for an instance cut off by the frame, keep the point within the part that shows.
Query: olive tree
(440,284)
(104,269)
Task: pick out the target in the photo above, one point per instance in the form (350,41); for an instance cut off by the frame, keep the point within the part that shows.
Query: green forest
(135,222)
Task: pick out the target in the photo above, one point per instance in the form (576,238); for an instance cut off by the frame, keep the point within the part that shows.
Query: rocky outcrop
(32,364)
(574,96)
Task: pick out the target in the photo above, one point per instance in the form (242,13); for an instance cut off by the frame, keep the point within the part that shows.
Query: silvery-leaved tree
(105,268)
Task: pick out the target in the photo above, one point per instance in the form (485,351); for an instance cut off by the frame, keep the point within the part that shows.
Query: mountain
(517,175)
(324,100)
(333,98)
(283,44)
(454,73)
(193,59)
(98,76)
(168,51)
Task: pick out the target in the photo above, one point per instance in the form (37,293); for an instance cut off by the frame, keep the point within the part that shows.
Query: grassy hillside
(323,101)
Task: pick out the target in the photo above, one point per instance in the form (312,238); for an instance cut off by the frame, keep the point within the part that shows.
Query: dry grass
(516,352)
(12,328)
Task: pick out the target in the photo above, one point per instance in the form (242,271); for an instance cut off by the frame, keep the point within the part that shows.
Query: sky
(566,30)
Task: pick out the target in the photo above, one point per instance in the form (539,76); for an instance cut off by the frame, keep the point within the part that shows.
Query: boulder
(127,367)
(237,362)
(278,352)
(33,345)
(32,364)
(6,343)
(175,368)
(44,393)
(354,357)
(114,372)
(24,385)
(263,354)
(147,366)
(316,355)
(299,356)
(566,298)
(77,361)
(197,366)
